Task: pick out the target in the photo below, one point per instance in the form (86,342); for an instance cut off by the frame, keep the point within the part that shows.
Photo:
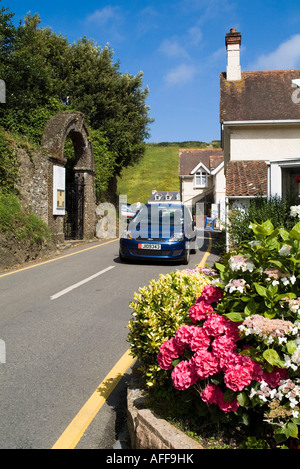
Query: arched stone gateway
(71,188)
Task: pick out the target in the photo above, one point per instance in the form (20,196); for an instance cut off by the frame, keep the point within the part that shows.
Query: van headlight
(126,234)
(177,237)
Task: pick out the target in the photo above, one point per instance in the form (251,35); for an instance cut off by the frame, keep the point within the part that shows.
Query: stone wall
(33,182)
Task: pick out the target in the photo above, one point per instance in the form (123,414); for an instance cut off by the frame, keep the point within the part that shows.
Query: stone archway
(58,128)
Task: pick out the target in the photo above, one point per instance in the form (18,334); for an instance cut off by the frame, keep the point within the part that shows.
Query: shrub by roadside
(23,235)
(234,359)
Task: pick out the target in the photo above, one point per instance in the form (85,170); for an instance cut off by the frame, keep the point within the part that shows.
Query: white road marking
(76,285)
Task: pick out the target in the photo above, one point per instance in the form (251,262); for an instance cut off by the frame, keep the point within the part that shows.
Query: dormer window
(157,197)
(200,180)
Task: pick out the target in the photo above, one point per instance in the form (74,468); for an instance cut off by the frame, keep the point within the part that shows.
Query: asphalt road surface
(63,328)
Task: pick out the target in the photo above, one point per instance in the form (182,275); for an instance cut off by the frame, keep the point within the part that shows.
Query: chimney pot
(233,44)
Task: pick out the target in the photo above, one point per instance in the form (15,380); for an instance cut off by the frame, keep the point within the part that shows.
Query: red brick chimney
(233,44)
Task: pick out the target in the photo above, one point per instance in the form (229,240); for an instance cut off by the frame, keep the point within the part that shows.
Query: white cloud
(147,21)
(286,56)
(104,15)
(173,49)
(195,35)
(180,75)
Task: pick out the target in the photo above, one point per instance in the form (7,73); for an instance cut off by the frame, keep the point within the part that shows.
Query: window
(200,179)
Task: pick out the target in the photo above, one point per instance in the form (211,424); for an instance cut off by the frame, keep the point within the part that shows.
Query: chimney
(233,43)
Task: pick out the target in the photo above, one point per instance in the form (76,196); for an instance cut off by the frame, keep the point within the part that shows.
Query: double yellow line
(73,433)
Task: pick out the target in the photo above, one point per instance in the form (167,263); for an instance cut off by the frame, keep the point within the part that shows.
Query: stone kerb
(147,430)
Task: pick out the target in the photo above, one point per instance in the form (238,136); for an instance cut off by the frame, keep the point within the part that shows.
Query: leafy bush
(16,223)
(238,352)
(158,310)
(275,209)
(8,165)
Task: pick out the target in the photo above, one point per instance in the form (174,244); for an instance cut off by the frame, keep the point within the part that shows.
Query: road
(63,323)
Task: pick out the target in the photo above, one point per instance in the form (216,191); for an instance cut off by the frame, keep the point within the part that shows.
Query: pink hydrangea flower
(184,335)
(273,379)
(231,406)
(257,372)
(211,294)
(212,394)
(169,350)
(239,374)
(200,340)
(183,376)
(224,348)
(232,330)
(200,311)
(205,364)
(215,325)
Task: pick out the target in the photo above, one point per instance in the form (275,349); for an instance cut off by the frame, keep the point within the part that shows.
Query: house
(260,128)
(202,180)
(164,196)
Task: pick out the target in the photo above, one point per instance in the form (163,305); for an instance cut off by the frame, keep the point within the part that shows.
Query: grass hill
(158,169)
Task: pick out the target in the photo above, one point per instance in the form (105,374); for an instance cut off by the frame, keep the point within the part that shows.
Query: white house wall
(189,192)
(261,143)
(220,186)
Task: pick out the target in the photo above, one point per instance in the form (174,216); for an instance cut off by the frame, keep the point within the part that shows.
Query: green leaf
(269,315)
(291,347)
(260,289)
(248,352)
(219,266)
(235,317)
(295,232)
(250,308)
(242,399)
(228,395)
(176,361)
(278,263)
(292,430)
(280,434)
(271,356)
(268,227)
(284,295)
(284,234)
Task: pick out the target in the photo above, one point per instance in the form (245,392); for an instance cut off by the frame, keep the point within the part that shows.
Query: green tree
(45,74)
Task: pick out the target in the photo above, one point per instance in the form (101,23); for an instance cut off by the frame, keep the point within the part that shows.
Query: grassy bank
(158,170)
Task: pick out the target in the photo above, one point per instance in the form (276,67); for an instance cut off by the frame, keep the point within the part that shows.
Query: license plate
(155,247)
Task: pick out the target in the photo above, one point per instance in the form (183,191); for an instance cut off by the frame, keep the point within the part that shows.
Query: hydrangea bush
(159,309)
(239,348)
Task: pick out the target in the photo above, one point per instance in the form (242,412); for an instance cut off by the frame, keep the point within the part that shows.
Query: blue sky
(180,47)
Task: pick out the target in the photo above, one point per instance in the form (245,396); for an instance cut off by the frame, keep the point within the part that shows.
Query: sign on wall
(59,190)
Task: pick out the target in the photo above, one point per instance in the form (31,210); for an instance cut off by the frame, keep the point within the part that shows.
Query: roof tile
(189,158)
(246,178)
(259,95)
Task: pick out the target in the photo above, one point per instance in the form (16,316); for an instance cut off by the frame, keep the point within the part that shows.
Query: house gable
(200,166)
(190,159)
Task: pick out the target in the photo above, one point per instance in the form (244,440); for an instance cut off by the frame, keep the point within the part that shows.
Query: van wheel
(187,256)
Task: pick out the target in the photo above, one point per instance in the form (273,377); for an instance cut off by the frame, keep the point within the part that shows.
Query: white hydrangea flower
(295,211)
(285,250)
